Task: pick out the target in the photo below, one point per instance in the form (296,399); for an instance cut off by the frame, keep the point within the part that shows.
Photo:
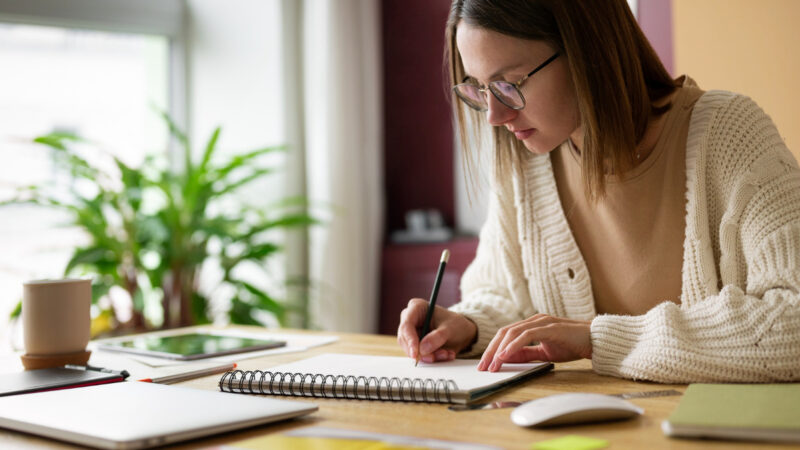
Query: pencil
(426,325)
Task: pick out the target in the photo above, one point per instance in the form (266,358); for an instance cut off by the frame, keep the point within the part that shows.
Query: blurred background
(333,183)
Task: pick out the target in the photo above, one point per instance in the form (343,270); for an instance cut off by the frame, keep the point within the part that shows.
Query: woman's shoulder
(730,112)
(724,109)
(731,129)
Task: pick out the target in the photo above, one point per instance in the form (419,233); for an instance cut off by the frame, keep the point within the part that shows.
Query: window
(100,85)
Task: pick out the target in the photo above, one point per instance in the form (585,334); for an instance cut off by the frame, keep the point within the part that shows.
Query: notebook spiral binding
(338,386)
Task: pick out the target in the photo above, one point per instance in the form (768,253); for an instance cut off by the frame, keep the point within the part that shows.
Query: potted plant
(151,229)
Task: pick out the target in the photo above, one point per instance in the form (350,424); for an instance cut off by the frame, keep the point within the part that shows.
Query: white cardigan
(739,313)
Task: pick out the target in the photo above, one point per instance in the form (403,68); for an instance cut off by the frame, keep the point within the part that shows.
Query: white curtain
(342,138)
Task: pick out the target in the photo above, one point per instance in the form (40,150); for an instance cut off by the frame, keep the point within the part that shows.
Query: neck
(645,146)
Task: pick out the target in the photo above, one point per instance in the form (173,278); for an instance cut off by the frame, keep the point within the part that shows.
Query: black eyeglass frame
(516,85)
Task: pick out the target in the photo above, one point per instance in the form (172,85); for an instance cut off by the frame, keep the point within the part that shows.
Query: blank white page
(463,372)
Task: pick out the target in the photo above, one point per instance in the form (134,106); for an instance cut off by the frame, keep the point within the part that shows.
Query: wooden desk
(435,421)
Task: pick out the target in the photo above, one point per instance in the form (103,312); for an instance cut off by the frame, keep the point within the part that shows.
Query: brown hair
(616,74)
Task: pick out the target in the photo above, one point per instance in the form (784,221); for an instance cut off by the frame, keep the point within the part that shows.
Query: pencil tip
(445,255)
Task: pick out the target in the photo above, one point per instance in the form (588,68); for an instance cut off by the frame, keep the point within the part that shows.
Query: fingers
(510,339)
(503,337)
(444,354)
(411,318)
(440,355)
(527,354)
(521,336)
(433,341)
(521,347)
(488,354)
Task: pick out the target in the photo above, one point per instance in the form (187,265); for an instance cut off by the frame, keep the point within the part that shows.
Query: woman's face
(550,114)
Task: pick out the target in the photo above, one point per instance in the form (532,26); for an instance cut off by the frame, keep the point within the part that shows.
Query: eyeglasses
(507,92)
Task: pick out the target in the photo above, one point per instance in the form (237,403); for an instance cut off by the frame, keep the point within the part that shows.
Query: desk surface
(434,420)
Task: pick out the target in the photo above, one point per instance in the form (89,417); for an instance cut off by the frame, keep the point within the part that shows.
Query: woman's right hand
(450,332)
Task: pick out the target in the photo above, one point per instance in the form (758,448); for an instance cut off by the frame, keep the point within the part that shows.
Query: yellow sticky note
(571,442)
(313,443)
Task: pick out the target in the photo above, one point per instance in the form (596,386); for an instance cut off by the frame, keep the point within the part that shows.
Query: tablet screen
(190,346)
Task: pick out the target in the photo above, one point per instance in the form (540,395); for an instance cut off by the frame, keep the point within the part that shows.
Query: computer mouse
(572,408)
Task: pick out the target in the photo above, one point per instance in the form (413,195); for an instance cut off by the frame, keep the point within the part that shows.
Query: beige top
(642,214)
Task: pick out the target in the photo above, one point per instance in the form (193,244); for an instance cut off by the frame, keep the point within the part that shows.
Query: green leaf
(287,221)
(230,187)
(138,300)
(91,256)
(294,220)
(133,180)
(219,226)
(240,160)
(99,289)
(183,140)
(259,251)
(200,309)
(210,146)
(56,140)
(151,231)
(264,301)
(17,311)
(241,313)
(174,129)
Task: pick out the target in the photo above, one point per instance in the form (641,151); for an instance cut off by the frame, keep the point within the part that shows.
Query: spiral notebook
(363,377)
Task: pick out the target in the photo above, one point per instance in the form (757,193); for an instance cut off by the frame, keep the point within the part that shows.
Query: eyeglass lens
(472,96)
(508,93)
(504,91)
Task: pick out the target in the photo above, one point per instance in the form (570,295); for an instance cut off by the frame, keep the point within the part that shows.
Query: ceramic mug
(56,317)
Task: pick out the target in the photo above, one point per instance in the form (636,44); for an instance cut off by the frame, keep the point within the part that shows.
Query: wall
(744,46)
(234,71)
(655,19)
(235,80)
(418,158)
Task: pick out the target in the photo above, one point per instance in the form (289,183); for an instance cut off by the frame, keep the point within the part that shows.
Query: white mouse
(572,408)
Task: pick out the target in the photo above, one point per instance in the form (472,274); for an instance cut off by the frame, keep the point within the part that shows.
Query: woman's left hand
(538,338)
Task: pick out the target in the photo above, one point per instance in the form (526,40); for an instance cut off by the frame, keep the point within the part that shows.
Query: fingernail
(427,358)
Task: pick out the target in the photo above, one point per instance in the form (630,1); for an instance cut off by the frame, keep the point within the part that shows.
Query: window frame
(156,17)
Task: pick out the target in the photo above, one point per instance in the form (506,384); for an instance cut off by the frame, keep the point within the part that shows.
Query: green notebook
(761,412)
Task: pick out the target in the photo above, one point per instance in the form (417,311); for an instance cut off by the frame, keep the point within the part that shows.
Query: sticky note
(571,442)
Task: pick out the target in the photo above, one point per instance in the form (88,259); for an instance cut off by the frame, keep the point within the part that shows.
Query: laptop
(132,415)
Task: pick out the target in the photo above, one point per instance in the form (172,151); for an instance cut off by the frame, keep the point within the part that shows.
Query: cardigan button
(571,274)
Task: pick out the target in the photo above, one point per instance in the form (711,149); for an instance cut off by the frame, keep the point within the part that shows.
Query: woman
(635,219)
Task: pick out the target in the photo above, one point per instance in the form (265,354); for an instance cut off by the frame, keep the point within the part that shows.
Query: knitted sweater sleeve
(486,297)
(748,328)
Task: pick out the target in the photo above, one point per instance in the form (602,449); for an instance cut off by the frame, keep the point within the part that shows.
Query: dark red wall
(418,164)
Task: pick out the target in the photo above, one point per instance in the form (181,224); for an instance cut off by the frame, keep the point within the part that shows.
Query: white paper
(463,372)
